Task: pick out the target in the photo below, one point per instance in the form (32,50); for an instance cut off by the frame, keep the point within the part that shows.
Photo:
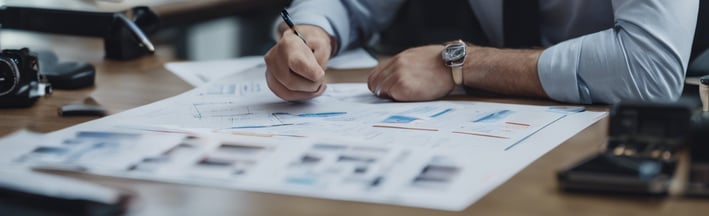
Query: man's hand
(296,70)
(417,74)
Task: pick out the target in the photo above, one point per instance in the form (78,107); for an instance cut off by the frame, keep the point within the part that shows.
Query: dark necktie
(521,23)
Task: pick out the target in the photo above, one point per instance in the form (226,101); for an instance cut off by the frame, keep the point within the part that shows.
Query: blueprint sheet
(345,145)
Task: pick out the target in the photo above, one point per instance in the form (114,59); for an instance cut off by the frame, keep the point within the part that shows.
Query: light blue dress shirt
(598,51)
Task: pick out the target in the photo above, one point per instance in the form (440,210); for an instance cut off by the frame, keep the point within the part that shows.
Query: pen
(289,22)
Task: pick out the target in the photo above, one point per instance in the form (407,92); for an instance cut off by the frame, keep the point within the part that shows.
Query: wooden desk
(124,85)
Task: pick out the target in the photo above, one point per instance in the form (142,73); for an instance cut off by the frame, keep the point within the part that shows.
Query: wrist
(472,69)
(454,55)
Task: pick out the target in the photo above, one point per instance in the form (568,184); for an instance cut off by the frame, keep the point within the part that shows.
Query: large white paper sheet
(346,144)
(200,73)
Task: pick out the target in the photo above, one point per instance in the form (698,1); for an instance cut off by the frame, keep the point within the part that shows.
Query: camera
(20,81)
(640,156)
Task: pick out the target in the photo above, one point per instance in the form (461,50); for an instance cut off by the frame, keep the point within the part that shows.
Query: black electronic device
(20,81)
(25,192)
(65,75)
(698,181)
(640,156)
(71,75)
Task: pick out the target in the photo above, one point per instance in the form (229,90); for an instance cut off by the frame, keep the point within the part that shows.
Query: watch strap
(457,73)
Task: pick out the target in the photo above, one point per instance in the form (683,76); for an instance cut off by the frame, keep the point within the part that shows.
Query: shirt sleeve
(351,22)
(643,57)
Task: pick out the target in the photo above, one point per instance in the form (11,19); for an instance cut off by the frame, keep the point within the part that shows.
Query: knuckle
(399,94)
(400,62)
(296,63)
(400,83)
(269,56)
(316,43)
(400,88)
(287,81)
(275,88)
(394,94)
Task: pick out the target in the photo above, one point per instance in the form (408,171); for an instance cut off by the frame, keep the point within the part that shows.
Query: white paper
(202,72)
(93,149)
(353,59)
(199,73)
(346,144)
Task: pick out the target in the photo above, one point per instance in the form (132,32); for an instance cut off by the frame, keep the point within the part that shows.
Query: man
(600,51)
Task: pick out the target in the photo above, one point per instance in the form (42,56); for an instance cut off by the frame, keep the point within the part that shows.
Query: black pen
(289,22)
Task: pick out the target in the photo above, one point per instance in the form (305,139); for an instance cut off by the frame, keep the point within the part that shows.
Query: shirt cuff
(330,15)
(320,21)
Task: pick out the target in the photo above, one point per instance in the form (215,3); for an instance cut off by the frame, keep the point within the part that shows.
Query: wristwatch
(454,56)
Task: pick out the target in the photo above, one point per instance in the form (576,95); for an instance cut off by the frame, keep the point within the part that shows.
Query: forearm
(642,58)
(504,71)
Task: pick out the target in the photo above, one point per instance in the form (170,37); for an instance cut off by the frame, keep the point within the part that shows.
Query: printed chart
(346,144)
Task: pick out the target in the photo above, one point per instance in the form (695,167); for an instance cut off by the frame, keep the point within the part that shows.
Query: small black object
(81,110)
(32,193)
(704,80)
(20,81)
(65,75)
(640,156)
(71,75)
(126,40)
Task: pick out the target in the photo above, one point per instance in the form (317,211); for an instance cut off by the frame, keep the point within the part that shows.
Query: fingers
(378,75)
(284,93)
(300,71)
(321,50)
(383,72)
(384,88)
(414,75)
(316,40)
(396,87)
(295,70)
(304,73)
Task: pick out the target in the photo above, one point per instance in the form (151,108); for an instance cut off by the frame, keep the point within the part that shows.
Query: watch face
(454,52)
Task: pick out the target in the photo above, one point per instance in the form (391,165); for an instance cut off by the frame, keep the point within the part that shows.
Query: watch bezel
(448,56)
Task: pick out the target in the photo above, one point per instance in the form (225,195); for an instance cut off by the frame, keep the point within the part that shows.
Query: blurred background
(190,30)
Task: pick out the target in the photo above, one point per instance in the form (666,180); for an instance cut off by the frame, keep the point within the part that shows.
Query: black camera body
(698,179)
(20,81)
(640,156)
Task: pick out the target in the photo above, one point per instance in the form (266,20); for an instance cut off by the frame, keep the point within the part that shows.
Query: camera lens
(9,76)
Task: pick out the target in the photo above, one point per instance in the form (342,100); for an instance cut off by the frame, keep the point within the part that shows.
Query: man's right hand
(296,70)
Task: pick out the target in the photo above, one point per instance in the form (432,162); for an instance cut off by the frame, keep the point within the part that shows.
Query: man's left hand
(417,74)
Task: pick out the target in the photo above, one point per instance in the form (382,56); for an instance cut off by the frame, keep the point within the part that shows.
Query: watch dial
(454,53)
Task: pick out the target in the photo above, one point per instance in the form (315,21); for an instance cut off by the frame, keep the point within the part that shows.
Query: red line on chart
(479,134)
(175,131)
(259,134)
(405,128)
(516,123)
